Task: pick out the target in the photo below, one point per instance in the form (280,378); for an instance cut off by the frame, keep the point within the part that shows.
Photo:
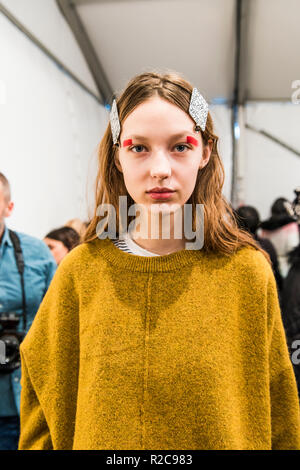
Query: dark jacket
(268,246)
(290,304)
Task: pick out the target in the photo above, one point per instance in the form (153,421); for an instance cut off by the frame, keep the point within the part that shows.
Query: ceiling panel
(193,37)
(272,50)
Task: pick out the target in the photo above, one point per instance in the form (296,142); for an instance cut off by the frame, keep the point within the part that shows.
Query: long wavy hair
(221,231)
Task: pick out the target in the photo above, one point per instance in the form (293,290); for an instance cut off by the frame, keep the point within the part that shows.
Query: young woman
(147,343)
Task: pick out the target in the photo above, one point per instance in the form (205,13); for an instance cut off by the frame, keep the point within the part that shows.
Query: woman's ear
(206,153)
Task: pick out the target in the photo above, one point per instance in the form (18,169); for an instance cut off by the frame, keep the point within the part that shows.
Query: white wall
(221,116)
(45,21)
(49,131)
(271,171)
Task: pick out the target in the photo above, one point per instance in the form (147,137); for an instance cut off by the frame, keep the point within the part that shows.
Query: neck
(155,240)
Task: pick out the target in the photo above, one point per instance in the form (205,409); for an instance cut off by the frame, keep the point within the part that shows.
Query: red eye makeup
(192,140)
(189,140)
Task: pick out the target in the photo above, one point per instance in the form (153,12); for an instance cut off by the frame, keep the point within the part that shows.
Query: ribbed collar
(164,263)
(6,238)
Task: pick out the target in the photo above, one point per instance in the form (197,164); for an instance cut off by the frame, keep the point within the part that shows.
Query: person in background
(248,218)
(77,225)
(60,241)
(16,308)
(282,230)
(290,303)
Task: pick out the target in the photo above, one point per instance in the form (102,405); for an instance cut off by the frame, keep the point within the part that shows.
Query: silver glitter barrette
(198,110)
(114,122)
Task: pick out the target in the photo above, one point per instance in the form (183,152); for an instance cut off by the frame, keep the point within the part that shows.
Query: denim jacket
(39,269)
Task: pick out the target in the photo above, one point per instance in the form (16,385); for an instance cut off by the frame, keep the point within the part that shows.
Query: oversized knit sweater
(181,351)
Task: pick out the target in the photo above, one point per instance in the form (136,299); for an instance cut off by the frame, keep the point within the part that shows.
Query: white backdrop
(45,21)
(49,131)
(271,171)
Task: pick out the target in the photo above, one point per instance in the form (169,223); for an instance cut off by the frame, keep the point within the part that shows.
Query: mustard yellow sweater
(181,351)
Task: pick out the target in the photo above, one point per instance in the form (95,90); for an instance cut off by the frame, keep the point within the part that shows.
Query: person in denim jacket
(40,267)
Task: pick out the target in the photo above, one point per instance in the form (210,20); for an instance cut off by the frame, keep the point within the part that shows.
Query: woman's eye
(181,147)
(141,148)
(138,148)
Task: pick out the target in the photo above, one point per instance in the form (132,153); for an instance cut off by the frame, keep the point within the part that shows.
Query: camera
(11,338)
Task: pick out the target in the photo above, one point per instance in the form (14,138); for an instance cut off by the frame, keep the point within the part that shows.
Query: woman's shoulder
(82,262)
(251,255)
(83,255)
(251,263)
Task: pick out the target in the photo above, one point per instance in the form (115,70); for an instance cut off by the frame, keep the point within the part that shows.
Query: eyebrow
(172,137)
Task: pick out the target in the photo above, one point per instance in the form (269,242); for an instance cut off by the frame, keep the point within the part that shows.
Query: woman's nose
(160,165)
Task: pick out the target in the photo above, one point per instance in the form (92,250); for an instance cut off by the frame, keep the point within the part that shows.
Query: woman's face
(159,148)
(58,249)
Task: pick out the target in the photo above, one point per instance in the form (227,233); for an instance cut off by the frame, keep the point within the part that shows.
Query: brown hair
(221,232)
(6,187)
(67,235)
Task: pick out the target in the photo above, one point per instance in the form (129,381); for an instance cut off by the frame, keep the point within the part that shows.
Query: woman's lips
(161,195)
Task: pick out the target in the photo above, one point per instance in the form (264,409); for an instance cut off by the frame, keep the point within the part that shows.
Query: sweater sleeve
(49,361)
(285,415)
(35,433)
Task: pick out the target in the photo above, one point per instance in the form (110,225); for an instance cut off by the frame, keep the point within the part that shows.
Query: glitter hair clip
(198,110)
(114,123)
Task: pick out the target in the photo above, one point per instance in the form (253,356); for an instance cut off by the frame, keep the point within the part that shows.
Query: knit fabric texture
(181,351)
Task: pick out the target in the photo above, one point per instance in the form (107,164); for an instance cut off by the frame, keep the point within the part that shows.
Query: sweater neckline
(163,263)
(137,249)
